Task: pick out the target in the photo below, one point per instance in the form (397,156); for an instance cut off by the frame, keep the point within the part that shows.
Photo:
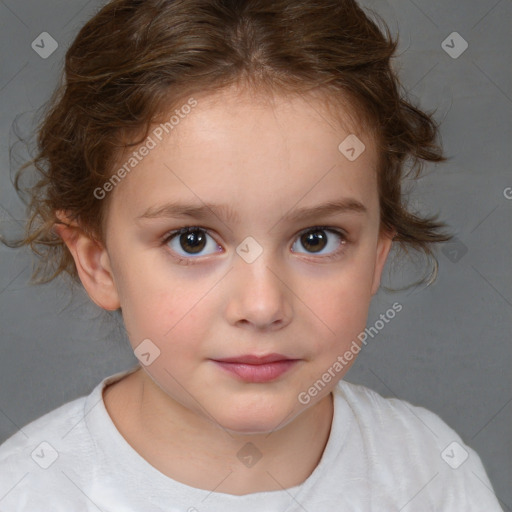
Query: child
(228,175)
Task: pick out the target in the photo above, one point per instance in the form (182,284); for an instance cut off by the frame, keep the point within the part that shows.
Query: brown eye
(191,241)
(315,240)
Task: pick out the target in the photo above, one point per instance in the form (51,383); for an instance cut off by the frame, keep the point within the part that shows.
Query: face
(255,274)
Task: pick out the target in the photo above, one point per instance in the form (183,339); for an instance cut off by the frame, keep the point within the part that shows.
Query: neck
(196,451)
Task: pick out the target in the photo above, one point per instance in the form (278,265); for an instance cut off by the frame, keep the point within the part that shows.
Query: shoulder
(29,458)
(49,462)
(53,425)
(409,447)
(396,423)
(63,429)
(369,406)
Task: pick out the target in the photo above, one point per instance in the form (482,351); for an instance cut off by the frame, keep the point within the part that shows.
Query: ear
(383,248)
(92,263)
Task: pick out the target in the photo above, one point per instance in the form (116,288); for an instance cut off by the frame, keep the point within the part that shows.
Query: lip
(251,368)
(254,359)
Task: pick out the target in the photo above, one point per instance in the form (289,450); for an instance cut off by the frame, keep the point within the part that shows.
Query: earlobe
(93,265)
(383,247)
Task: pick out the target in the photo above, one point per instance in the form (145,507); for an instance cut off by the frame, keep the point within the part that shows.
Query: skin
(182,413)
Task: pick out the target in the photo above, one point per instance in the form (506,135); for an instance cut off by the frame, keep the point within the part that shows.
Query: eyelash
(188,229)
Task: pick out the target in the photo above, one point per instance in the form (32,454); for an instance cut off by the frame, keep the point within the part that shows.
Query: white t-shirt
(382,455)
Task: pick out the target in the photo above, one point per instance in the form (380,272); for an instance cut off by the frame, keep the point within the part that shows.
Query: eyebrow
(226,213)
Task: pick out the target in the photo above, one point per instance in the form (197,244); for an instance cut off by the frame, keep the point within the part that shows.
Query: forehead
(233,107)
(246,147)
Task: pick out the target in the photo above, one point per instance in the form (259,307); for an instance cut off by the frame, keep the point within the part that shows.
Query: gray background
(448,350)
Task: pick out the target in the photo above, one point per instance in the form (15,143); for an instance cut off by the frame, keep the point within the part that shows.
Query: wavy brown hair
(136,60)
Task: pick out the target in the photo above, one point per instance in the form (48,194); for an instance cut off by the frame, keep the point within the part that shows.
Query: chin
(249,428)
(254,420)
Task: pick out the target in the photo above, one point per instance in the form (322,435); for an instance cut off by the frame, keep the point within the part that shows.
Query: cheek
(139,297)
(164,309)
(338,304)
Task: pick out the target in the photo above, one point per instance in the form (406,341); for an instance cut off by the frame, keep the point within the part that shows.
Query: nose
(259,296)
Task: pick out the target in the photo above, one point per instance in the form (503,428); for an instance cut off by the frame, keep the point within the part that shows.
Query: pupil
(314,239)
(188,239)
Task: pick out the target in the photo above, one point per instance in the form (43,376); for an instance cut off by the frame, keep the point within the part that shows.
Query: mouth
(253,368)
